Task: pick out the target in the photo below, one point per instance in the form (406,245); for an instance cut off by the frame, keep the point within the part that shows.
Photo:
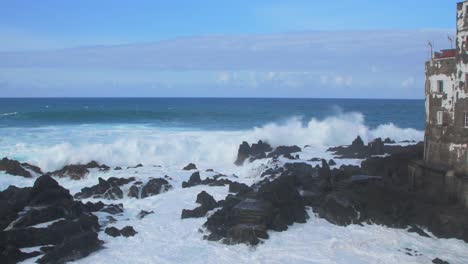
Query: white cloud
(409,82)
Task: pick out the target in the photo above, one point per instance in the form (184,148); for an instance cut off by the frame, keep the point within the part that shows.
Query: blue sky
(231,35)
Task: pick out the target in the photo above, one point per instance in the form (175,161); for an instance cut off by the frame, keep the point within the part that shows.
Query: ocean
(53,132)
(165,134)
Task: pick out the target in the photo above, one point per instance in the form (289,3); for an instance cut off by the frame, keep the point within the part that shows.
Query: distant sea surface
(201,113)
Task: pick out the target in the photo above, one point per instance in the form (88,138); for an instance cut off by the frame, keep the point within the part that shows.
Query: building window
(440,86)
(440,117)
(466,119)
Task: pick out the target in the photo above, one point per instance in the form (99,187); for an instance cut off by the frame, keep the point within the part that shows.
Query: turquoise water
(201,113)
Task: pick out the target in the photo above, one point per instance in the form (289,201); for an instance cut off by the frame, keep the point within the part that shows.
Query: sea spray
(125,145)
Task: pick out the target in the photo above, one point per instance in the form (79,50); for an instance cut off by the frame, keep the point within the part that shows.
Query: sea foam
(125,145)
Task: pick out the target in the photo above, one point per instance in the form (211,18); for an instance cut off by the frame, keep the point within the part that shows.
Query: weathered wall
(446,145)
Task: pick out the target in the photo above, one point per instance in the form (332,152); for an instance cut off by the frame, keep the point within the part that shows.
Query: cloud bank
(357,64)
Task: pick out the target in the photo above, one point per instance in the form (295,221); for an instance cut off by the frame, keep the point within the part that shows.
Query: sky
(295,48)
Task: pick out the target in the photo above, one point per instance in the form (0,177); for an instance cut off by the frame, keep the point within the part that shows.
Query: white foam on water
(124,145)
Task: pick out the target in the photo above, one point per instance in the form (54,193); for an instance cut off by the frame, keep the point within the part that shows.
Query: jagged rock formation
(78,171)
(46,214)
(16,168)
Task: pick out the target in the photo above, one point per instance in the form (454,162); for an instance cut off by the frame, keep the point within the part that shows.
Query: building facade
(446,134)
(443,173)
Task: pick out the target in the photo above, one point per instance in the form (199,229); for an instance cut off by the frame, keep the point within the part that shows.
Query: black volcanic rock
(207,203)
(284,151)
(190,166)
(245,218)
(16,168)
(256,151)
(236,187)
(73,248)
(153,187)
(106,189)
(78,171)
(142,214)
(193,180)
(112,231)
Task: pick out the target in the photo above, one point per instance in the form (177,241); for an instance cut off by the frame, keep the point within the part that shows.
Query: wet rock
(112,231)
(284,151)
(47,191)
(113,209)
(106,189)
(236,187)
(190,166)
(389,141)
(152,187)
(155,187)
(78,171)
(136,167)
(331,163)
(207,203)
(16,168)
(12,255)
(256,151)
(439,261)
(128,231)
(73,248)
(142,214)
(417,230)
(245,218)
(376,147)
(68,226)
(118,168)
(193,180)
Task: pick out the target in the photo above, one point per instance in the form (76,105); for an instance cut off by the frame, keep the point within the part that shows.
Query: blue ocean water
(201,113)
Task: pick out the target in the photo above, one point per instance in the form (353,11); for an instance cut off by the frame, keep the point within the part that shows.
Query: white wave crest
(9,114)
(129,145)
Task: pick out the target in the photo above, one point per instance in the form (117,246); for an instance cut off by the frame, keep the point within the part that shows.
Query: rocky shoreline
(63,228)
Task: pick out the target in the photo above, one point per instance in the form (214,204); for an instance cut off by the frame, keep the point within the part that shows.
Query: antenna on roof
(430,49)
(451,41)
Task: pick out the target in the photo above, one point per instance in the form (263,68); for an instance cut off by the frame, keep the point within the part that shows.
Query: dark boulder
(155,187)
(47,191)
(256,151)
(190,166)
(16,168)
(128,231)
(106,189)
(389,141)
(376,147)
(77,171)
(193,180)
(284,151)
(439,261)
(243,153)
(152,187)
(11,255)
(73,248)
(112,231)
(207,203)
(142,214)
(236,187)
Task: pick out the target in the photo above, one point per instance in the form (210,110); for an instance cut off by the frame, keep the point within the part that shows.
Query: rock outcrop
(46,214)
(207,203)
(153,187)
(105,189)
(78,171)
(16,168)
